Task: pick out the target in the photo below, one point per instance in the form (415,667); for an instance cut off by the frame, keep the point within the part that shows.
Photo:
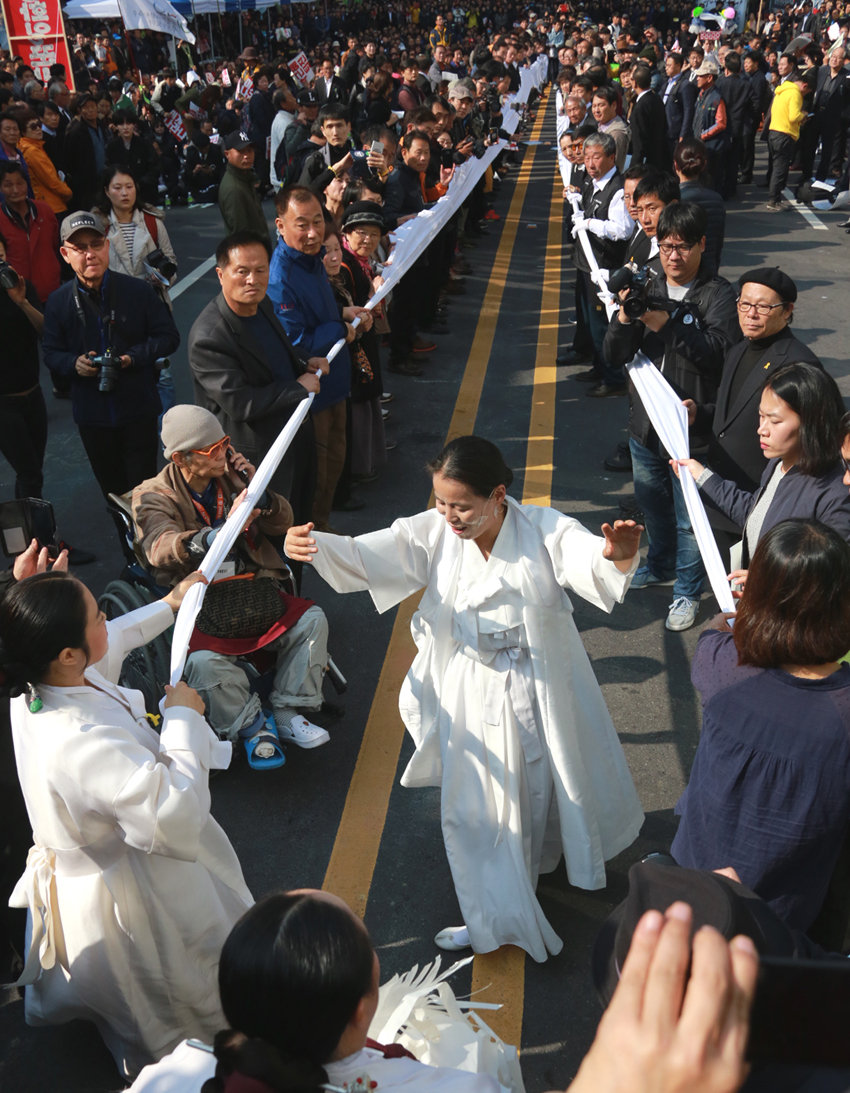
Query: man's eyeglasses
(744,306)
(678,248)
(214,449)
(93,247)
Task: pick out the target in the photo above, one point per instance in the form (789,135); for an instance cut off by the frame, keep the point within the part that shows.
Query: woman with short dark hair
(769,791)
(799,432)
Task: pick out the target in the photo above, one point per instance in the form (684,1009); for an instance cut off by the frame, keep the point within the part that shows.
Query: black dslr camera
(160,267)
(108,366)
(637,280)
(8,277)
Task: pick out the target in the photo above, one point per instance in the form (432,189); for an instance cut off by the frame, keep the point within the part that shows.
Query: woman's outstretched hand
(622,542)
(299,545)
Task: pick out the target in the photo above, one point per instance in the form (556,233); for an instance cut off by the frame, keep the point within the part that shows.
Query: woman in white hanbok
(131,886)
(501,700)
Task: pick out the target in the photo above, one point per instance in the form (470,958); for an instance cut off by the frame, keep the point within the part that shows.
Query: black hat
(774,278)
(716,901)
(237,140)
(361,213)
(306,98)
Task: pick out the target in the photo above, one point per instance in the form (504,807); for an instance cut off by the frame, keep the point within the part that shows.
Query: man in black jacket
(323,166)
(85,153)
(247,372)
(759,101)
(328,87)
(648,122)
(830,105)
(687,338)
(680,96)
(765,308)
(116,409)
(737,95)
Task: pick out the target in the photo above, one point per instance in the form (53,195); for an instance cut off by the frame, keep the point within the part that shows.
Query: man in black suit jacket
(759,101)
(648,123)
(330,88)
(679,98)
(247,372)
(830,103)
(737,96)
(768,345)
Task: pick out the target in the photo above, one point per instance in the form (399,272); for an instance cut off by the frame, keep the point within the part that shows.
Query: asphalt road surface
(337,815)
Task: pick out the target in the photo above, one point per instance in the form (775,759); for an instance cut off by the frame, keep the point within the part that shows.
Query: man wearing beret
(766,300)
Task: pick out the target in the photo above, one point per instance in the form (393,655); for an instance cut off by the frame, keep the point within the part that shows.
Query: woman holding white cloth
(501,699)
(131,886)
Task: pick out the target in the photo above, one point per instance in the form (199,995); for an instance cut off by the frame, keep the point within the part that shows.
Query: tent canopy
(108,9)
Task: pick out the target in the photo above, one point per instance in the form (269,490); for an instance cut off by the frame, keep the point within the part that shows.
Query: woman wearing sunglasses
(46,183)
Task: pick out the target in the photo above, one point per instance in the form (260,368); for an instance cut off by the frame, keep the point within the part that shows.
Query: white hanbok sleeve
(129,632)
(391,564)
(577,559)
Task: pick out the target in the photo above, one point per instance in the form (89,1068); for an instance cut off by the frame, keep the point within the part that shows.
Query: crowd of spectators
(657,128)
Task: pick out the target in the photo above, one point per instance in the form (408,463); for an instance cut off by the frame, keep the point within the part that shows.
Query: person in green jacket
(238,200)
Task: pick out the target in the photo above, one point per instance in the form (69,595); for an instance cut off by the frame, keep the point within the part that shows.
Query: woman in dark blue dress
(769,792)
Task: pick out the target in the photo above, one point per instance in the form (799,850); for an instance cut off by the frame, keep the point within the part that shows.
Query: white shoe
(453,939)
(683,613)
(295,729)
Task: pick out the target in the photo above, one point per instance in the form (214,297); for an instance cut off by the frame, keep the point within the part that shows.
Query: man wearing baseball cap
(105,332)
(710,121)
(238,199)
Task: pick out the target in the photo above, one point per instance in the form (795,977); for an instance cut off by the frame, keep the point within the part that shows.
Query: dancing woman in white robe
(132,887)
(501,700)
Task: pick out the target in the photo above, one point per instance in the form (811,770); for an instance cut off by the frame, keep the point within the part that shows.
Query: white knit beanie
(186,428)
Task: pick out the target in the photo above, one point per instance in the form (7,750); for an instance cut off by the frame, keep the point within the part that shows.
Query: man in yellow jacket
(786,117)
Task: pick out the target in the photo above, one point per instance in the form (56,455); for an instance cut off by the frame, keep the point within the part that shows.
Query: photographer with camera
(106,331)
(684,320)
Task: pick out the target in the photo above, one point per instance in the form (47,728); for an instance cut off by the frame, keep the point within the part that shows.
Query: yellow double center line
(355,851)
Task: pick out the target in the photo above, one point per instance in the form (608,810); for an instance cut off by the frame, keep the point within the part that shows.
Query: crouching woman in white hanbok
(299,987)
(501,699)
(131,886)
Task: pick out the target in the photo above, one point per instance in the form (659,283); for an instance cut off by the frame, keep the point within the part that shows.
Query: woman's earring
(35,703)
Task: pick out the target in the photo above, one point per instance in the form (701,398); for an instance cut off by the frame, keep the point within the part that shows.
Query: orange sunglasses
(213,449)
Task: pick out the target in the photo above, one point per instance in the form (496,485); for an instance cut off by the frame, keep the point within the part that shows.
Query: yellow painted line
(355,851)
(500,976)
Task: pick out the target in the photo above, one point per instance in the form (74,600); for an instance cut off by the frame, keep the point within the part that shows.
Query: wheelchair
(148,668)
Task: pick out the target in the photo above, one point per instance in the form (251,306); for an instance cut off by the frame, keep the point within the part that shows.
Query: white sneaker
(453,939)
(295,729)
(683,613)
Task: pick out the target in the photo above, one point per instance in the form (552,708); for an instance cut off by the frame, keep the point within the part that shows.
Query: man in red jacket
(31,232)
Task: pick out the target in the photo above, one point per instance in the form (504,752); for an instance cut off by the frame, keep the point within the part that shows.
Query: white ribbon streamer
(596,274)
(411,239)
(670,420)
(225,539)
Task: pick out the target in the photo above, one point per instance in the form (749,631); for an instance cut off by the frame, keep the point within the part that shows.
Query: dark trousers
(596,320)
(748,155)
(123,457)
(23,439)
(807,146)
(829,135)
(409,297)
(729,166)
(782,149)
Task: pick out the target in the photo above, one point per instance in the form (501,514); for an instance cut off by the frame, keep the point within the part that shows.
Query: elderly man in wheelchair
(249,608)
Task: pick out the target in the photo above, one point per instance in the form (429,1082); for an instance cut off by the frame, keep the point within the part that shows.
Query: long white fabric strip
(225,539)
(410,241)
(670,420)
(595,272)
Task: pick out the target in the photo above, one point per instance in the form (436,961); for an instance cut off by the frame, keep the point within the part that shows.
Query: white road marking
(806,214)
(192,277)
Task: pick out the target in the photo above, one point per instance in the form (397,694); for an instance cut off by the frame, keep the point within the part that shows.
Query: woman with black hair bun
(131,886)
(501,701)
(298,981)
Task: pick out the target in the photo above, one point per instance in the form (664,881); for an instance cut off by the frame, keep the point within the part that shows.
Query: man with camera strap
(105,331)
(684,320)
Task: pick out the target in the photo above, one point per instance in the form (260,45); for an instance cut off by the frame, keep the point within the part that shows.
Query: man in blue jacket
(105,332)
(303,300)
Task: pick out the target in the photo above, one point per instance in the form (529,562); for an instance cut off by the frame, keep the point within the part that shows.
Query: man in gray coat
(246,371)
